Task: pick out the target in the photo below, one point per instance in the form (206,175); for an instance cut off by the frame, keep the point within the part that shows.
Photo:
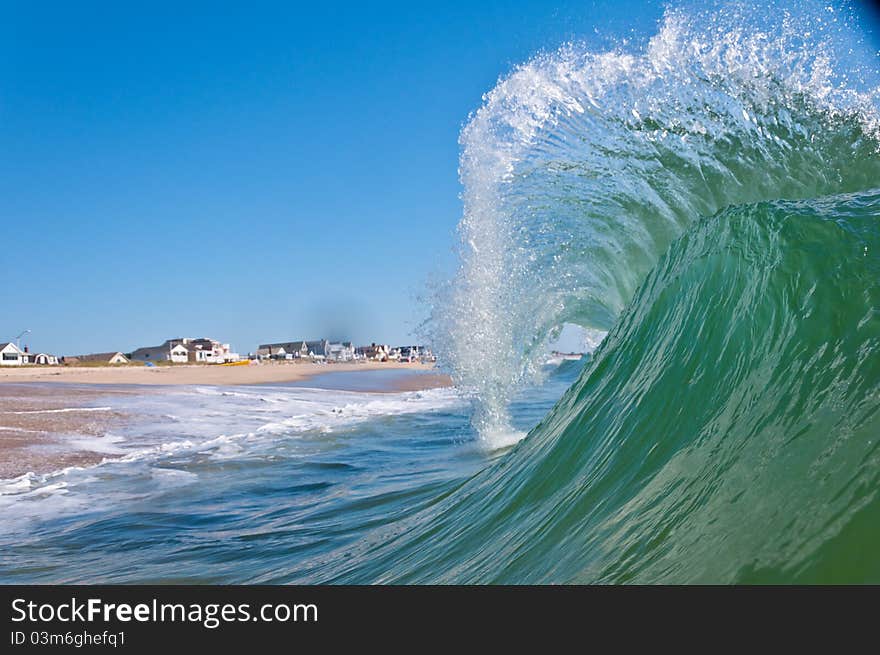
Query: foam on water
(215,423)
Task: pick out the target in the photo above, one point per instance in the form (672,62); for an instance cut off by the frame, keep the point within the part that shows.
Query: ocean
(256,484)
(704,201)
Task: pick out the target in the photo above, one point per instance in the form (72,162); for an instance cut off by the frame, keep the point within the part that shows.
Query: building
(167,352)
(341,351)
(273,352)
(183,350)
(416,354)
(42,359)
(11,355)
(373,352)
(97,358)
(207,351)
(295,350)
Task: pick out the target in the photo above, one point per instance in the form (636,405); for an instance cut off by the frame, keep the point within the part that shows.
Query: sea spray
(581,167)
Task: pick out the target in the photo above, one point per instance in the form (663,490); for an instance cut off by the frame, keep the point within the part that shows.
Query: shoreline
(42,430)
(203,374)
(44,423)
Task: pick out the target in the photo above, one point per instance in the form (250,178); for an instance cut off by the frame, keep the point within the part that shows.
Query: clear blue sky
(266,171)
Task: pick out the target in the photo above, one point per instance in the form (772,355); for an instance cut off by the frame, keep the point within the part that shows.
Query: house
(183,350)
(273,352)
(176,353)
(43,359)
(374,352)
(283,350)
(297,349)
(410,353)
(11,355)
(415,354)
(339,351)
(97,358)
(207,351)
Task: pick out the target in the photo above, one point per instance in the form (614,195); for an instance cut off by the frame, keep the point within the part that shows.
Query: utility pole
(18,338)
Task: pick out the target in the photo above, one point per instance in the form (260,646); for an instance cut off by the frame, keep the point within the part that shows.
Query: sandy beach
(40,427)
(262,373)
(42,423)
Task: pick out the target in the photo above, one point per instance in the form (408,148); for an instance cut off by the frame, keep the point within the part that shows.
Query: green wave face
(711,201)
(584,165)
(726,431)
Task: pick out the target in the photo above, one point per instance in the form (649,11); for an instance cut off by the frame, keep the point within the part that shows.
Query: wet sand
(36,437)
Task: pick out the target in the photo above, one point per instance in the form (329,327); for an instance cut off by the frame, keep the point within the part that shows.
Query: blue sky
(252,173)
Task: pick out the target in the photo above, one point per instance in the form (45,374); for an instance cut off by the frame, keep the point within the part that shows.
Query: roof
(291,346)
(95,357)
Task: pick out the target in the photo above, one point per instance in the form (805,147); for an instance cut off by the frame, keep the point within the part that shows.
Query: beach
(262,373)
(53,418)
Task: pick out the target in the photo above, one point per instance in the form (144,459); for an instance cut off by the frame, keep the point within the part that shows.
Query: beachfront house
(339,351)
(40,359)
(285,350)
(186,349)
(111,358)
(408,354)
(167,352)
(413,354)
(207,351)
(373,352)
(416,354)
(316,350)
(273,352)
(11,355)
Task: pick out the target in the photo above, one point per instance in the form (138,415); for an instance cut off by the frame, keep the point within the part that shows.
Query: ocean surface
(704,202)
(246,484)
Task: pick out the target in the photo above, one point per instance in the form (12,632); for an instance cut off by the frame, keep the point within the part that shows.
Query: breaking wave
(710,199)
(582,167)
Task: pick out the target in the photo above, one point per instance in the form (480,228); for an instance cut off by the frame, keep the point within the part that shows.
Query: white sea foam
(217,424)
(108,444)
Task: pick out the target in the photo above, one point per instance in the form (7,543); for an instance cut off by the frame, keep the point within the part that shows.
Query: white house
(295,349)
(273,352)
(340,351)
(167,352)
(207,351)
(43,359)
(183,350)
(375,352)
(11,355)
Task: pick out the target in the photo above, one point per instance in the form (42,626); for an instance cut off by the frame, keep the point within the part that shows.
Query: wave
(582,167)
(710,199)
(211,425)
(725,431)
